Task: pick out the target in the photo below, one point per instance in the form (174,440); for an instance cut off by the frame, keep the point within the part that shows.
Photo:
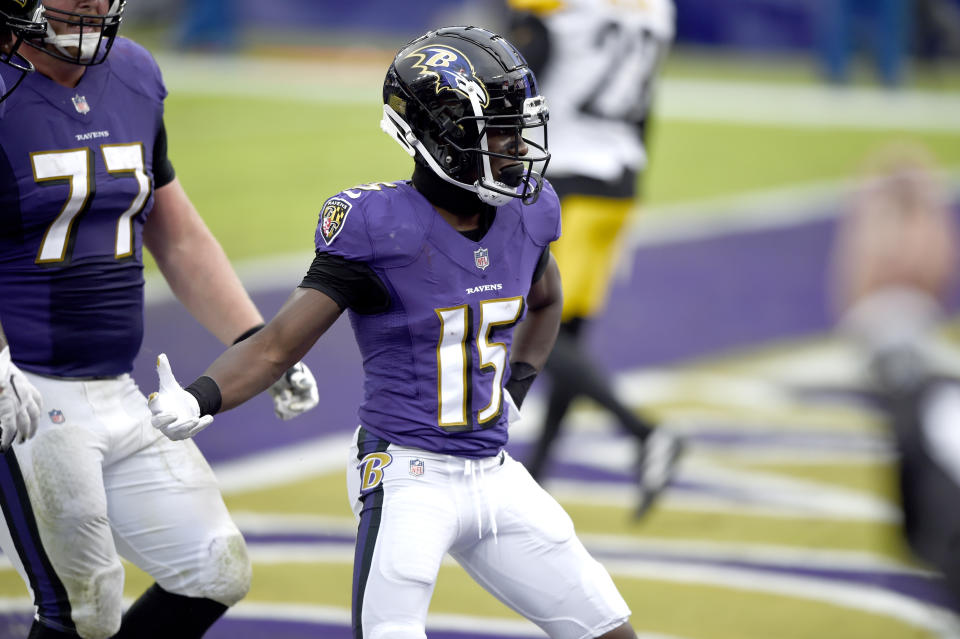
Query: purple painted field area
(686,299)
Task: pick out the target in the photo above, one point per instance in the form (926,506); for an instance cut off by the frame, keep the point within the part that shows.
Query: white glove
(20,403)
(175,411)
(513,414)
(295,392)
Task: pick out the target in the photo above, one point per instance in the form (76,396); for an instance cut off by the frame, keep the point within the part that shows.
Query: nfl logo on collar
(56,416)
(481,257)
(80,104)
(416,467)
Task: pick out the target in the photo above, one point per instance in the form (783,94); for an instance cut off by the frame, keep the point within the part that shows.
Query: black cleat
(658,461)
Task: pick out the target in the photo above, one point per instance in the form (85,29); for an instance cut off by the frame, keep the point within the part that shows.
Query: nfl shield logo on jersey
(416,467)
(481,257)
(80,104)
(56,416)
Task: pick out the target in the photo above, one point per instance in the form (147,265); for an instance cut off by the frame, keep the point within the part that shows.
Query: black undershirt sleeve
(163,172)
(350,284)
(541,265)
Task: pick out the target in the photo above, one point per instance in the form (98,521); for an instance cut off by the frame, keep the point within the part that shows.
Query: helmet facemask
(83,39)
(26,24)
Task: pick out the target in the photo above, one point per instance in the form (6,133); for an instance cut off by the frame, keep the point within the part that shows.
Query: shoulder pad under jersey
(374,223)
(135,67)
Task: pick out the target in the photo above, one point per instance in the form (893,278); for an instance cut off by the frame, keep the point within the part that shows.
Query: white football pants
(508,533)
(97,480)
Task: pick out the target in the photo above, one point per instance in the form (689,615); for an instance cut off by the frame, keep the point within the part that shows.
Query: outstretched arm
(255,363)
(244,369)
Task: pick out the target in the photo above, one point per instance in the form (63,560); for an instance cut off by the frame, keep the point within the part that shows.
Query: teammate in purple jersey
(455,303)
(85,184)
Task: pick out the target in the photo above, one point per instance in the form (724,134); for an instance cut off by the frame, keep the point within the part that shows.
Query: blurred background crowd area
(892,42)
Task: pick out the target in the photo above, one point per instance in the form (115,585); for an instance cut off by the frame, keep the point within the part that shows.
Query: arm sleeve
(541,265)
(349,283)
(163,172)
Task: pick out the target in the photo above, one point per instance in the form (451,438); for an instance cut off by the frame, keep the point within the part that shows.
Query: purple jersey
(435,362)
(76,186)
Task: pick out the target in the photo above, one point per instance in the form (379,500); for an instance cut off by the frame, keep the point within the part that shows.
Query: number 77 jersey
(76,186)
(435,361)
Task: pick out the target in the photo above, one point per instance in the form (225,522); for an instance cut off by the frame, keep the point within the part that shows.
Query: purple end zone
(685,299)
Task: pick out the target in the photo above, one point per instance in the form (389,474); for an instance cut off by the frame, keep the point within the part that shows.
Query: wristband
(207,393)
(247,333)
(521,378)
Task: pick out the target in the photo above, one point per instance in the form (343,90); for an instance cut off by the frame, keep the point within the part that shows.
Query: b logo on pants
(371,470)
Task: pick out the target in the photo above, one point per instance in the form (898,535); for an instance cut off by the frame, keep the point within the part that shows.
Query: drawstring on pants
(472,468)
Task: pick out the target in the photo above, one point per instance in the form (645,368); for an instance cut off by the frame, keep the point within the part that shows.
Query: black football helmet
(22,20)
(85,39)
(450,88)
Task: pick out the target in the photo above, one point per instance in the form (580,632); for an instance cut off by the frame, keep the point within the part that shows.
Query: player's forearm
(245,370)
(251,366)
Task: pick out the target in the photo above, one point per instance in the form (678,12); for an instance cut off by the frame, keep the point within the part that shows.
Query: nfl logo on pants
(416,467)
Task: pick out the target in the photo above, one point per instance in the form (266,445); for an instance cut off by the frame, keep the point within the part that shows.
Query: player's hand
(175,411)
(295,392)
(20,403)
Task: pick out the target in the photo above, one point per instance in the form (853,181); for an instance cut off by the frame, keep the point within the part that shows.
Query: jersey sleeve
(342,229)
(542,218)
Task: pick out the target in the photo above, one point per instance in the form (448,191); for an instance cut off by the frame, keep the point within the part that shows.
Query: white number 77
(75,165)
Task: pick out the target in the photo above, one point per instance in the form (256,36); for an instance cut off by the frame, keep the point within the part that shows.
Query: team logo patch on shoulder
(333,217)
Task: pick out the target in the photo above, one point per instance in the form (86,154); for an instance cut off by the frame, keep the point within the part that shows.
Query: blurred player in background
(85,184)
(21,20)
(895,266)
(455,303)
(597,60)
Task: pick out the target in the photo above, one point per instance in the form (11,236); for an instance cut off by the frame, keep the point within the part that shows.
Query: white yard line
(700,100)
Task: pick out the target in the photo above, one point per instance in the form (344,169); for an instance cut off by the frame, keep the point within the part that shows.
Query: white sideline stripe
(814,106)
(857,597)
(803,507)
(697,100)
(761,554)
(284,465)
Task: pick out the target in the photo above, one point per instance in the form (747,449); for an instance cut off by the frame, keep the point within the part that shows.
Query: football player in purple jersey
(85,185)
(19,20)
(455,303)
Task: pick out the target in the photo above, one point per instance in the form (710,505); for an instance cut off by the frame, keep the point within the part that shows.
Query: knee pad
(397,631)
(97,607)
(227,571)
